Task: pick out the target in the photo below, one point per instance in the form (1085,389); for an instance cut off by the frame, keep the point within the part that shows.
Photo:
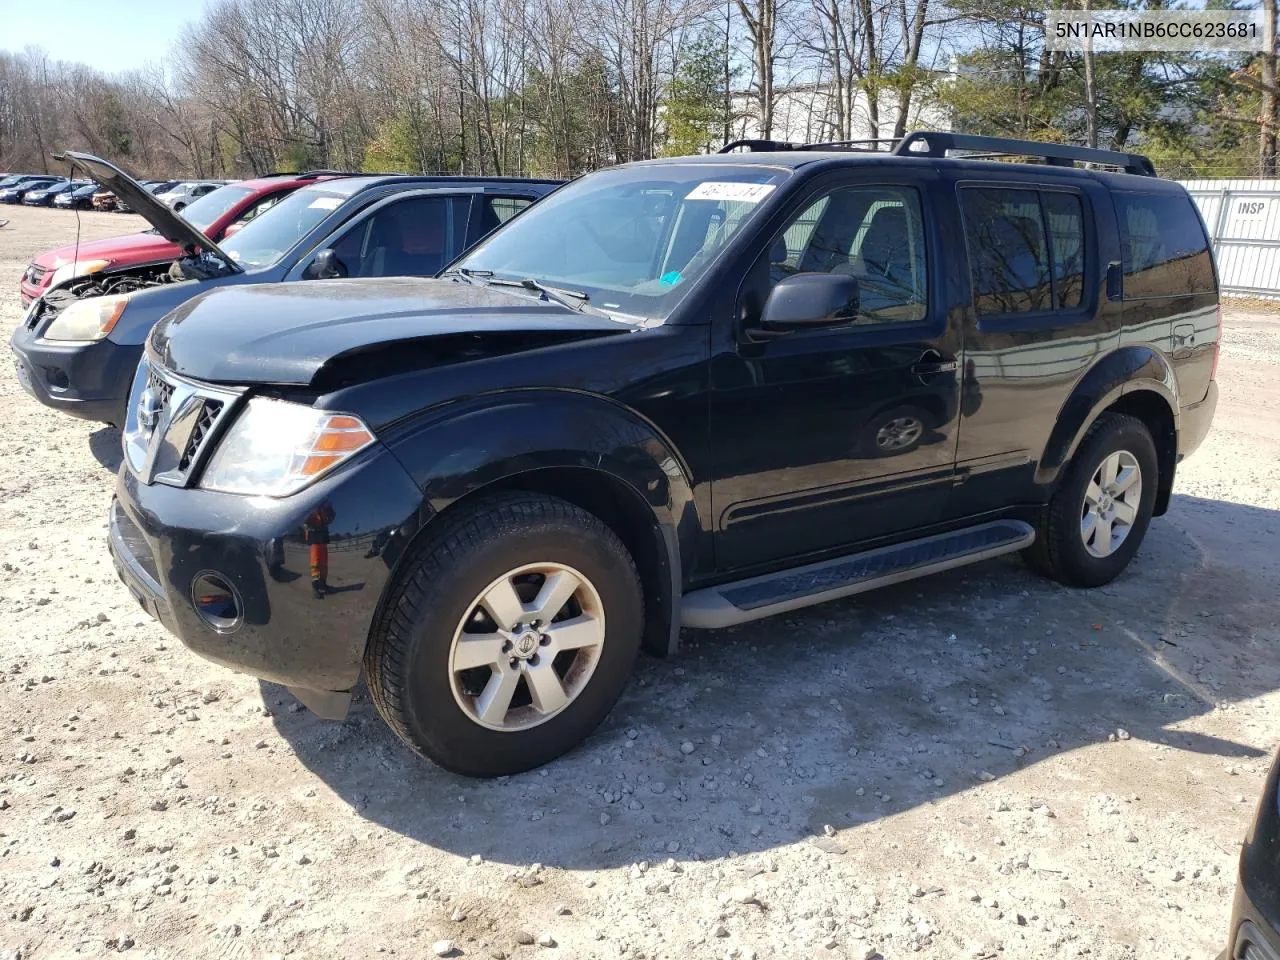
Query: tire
(1061,550)
(410,661)
(896,431)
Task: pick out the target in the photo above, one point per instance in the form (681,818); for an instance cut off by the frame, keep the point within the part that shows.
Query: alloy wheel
(527,646)
(1111,504)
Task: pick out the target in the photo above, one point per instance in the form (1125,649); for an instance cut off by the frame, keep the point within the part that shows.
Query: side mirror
(809,300)
(232,229)
(326,266)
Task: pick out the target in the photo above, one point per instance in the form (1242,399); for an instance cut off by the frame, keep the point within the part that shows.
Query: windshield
(203,212)
(634,239)
(267,237)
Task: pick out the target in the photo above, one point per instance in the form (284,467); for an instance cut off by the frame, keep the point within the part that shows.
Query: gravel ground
(977,765)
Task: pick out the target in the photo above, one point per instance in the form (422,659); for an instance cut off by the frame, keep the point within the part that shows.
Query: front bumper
(89,380)
(1255,914)
(163,538)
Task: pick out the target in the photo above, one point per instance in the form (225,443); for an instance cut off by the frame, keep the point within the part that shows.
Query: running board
(744,600)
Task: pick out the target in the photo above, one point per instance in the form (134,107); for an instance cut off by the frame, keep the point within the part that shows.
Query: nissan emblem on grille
(149,407)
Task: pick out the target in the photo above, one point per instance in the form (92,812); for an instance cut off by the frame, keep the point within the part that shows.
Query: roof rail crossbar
(756,146)
(874,141)
(928,144)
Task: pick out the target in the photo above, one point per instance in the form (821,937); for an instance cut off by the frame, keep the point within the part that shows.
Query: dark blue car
(80,342)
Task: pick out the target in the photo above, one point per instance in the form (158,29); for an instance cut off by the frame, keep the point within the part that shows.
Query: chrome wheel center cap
(525,642)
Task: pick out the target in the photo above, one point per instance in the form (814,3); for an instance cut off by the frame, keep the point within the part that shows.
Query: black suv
(687,392)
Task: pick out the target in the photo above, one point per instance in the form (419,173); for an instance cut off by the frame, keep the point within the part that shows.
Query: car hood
(131,249)
(330,333)
(170,225)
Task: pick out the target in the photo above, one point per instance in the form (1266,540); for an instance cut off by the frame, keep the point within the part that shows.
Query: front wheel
(1099,514)
(509,636)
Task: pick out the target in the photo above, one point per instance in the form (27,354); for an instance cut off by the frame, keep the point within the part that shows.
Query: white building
(807,113)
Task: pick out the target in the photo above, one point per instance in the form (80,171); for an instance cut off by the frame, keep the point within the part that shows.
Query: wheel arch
(595,454)
(1134,380)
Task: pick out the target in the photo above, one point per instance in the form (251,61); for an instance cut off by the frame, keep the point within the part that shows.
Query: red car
(215,214)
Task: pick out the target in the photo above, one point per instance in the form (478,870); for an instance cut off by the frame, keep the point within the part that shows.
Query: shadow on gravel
(104,444)
(857,710)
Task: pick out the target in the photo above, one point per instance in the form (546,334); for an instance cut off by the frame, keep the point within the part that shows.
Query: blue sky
(112,36)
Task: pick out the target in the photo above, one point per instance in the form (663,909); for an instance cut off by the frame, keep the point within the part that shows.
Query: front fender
(1130,368)
(463,448)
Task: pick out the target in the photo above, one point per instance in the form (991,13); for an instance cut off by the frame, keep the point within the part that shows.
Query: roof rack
(928,144)
(937,144)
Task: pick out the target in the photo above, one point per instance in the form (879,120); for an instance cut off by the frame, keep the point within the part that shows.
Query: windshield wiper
(573,299)
(468,274)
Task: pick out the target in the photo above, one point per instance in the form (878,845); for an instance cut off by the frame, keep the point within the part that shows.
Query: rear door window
(1065,218)
(1008,256)
(1163,245)
(1026,249)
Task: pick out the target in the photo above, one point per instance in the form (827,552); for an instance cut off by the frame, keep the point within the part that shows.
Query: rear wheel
(509,637)
(1099,514)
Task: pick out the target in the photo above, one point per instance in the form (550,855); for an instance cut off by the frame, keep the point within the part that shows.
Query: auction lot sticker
(727,190)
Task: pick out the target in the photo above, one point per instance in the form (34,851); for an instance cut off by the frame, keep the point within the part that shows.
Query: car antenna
(71,170)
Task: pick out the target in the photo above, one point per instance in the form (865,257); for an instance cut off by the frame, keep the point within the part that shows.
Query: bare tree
(761,19)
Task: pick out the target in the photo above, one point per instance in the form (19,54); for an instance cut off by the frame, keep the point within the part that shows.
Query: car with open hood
(147,255)
(690,392)
(80,342)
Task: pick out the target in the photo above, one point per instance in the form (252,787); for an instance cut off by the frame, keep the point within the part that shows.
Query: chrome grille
(35,273)
(162,387)
(170,424)
(208,417)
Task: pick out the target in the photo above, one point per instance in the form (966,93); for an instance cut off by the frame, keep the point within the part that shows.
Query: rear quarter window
(1163,245)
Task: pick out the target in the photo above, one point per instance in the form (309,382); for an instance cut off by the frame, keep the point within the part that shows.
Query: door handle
(1115,281)
(931,363)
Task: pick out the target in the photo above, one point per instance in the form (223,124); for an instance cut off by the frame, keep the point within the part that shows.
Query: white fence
(1243,217)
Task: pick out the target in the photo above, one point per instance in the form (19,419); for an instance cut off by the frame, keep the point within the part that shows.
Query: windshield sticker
(670,279)
(325,203)
(742,192)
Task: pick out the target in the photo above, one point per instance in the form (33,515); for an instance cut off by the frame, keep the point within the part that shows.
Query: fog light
(217,602)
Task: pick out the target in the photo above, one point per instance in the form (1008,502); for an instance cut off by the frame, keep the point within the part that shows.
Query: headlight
(89,319)
(276,448)
(81,268)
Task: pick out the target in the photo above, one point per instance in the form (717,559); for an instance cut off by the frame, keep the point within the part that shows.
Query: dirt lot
(978,765)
